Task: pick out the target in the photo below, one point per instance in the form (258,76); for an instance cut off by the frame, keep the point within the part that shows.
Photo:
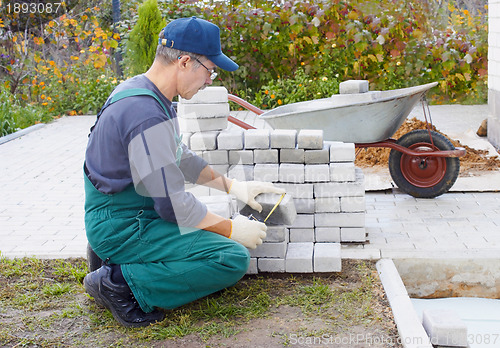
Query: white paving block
(197,190)
(271,265)
(341,152)
(339,219)
(218,205)
(310,139)
(353,234)
(292,173)
(353,204)
(270,250)
(304,205)
(185,138)
(327,257)
(230,140)
(202,110)
(327,234)
(302,191)
(241,172)
(215,156)
(299,258)
(252,267)
(292,156)
(283,138)
(266,172)
(317,156)
(317,173)
(257,138)
(241,157)
(353,86)
(445,328)
(303,221)
(301,235)
(211,94)
(284,214)
(204,141)
(342,171)
(276,233)
(202,124)
(327,205)
(265,156)
(339,189)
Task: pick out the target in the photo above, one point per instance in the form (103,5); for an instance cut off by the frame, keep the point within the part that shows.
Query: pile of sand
(473,161)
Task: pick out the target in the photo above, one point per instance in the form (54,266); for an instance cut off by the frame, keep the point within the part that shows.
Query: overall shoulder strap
(130,93)
(138,91)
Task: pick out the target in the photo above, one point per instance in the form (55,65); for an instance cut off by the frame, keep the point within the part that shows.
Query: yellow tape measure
(275,206)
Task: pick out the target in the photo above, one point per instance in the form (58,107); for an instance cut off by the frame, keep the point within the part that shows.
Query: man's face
(196,77)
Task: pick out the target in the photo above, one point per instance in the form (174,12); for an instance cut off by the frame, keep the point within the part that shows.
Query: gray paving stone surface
(41,210)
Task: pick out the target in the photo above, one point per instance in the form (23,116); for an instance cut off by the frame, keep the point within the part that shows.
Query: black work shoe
(119,299)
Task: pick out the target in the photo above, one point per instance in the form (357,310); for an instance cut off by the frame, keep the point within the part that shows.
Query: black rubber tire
(93,261)
(424,176)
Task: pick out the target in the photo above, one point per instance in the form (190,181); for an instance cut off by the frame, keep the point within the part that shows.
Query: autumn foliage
(292,50)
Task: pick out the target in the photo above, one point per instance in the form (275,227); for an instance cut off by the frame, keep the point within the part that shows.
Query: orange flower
(266,91)
(280,102)
(273,96)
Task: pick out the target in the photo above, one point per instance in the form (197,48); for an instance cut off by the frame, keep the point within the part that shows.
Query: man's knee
(237,260)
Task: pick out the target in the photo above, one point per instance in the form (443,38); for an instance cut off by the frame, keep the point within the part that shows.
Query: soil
(474,160)
(358,315)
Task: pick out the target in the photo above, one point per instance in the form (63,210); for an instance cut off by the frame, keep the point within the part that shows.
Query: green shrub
(93,90)
(403,44)
(7,123)
(143,39)
(16,115)
(299,88)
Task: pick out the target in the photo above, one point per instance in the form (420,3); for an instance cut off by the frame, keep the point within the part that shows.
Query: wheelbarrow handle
(245,104)
(391,143)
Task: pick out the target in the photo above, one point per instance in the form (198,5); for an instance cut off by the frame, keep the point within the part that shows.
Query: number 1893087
(483,339)
(33,7)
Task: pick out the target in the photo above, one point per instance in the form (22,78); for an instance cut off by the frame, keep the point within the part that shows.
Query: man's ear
(183,60)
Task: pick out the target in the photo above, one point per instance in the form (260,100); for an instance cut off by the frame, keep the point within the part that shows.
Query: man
(161,246)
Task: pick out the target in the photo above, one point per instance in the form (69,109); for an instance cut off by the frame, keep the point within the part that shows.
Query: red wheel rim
(423,171)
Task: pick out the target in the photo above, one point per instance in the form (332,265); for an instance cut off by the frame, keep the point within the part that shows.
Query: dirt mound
(473,161)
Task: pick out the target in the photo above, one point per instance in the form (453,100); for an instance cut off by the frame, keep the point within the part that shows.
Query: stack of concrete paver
(327,189)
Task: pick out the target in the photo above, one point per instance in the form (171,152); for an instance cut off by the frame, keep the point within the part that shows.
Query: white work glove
(246,191)
(249,233)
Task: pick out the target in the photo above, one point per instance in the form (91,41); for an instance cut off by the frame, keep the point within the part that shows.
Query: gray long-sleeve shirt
(134,143)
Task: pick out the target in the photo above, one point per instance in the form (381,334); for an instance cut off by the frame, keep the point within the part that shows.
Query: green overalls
(163,267)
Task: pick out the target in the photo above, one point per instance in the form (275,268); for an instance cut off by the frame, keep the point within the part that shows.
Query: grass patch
(43,304)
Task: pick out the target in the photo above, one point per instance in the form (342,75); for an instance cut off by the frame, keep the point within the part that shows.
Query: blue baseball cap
(198,36)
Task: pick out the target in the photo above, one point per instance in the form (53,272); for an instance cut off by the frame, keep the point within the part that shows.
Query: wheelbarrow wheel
(93,261)
(423,176)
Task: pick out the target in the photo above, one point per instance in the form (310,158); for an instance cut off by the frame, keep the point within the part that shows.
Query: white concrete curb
(20,133)
(411,331)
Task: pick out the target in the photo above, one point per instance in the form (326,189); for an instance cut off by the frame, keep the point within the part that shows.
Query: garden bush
(293,50)
(54,68)
(392,44)
(15,116)
(143,39)
(299,88)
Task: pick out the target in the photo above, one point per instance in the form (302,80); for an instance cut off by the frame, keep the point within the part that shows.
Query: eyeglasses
(212,72)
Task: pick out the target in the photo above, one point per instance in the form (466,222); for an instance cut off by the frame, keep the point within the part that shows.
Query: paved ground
(41,210)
